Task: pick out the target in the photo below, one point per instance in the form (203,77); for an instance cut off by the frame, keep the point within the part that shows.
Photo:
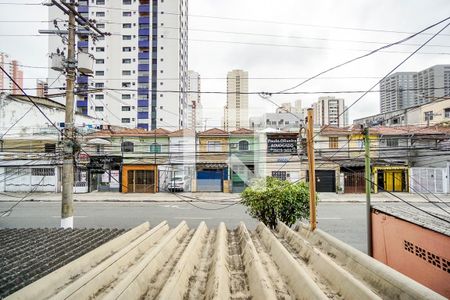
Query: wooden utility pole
(368,189)
(311,169)
(69,136)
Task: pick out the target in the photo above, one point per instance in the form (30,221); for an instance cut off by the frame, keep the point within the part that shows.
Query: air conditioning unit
(85,63)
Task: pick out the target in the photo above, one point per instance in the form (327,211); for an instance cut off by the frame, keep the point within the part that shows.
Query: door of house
(393,180)
(141,181)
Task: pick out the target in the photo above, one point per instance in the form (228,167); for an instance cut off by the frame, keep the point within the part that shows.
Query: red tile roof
(182,132)
(130,132)
(213,131)
(242,131)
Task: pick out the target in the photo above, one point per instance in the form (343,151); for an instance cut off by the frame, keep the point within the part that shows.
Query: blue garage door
(209,180)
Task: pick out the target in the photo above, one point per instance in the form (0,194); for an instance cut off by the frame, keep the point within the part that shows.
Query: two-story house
(242,158)
(212,158)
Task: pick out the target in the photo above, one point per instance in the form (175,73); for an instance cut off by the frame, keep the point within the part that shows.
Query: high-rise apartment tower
(236,109)
(140,70)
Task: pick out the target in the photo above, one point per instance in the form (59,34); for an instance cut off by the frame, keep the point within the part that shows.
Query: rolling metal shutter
(209,180)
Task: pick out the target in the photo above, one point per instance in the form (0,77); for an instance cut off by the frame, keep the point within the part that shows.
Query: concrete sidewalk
(210,197)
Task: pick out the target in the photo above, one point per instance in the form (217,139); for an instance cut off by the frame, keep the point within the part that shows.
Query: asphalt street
(345,221)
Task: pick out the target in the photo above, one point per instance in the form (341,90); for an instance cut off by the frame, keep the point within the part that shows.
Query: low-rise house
(182,149)
(212,157)
(242,158)
(31,144)
(143,157)
(277,155)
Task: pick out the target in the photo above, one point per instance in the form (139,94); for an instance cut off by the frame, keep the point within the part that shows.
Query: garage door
(209,180)
(325,181)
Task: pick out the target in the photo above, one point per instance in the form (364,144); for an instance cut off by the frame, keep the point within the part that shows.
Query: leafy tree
(271,199)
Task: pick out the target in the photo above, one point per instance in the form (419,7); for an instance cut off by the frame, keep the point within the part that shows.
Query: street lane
(345,221)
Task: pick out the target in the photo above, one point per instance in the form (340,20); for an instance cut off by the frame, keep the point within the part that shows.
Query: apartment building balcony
(145,32)
(143,103)
(82,79)
(82,103)
(83,9)
(142,125)
(143,79)
(142,115)
(83,44)
(143,67)
(144,8)
(144,55)
(144,20)
(143,92)
(144,44)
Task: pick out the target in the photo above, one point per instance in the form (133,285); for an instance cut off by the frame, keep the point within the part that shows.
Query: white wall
(34,122)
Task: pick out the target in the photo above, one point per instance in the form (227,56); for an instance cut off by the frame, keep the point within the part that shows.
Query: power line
(397,66)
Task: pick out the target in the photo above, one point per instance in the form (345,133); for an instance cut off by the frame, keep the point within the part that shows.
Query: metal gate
(354,182)
(428,180)
(325,181)
(210,181)
(141,181)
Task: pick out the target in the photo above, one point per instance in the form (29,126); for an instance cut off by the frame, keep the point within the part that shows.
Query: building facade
(331,111)
(194,106)
(12,67)
(428,114)
(397,91)
(136,65)
(278,121)
(406,89)
(236,109)
(432,83)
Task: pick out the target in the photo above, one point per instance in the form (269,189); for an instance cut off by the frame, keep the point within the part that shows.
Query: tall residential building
(397,91)
(405,89)
(12,67)
(284,107)
(432,83)
(195,108)
(330,111)
(135,67)
(236,109)
(41,88)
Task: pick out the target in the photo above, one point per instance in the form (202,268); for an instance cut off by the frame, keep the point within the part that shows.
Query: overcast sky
(298,39)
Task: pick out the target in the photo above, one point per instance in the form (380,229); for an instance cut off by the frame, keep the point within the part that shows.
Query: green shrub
(271,199)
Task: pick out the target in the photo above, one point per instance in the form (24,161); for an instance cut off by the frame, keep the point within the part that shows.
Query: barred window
(279,175)
(50,148)
(43,172)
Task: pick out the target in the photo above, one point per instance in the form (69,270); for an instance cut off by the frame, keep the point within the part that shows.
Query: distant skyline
(276,49)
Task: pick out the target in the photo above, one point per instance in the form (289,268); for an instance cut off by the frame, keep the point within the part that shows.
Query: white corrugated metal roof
(202,263)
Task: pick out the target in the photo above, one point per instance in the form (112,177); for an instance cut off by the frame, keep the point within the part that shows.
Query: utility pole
(75,17)
(69,139)
(311,169)
(368,189)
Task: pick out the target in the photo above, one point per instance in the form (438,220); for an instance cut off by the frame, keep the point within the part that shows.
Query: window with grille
(50,148)
(279,175)
(392,142)
(127,147)
(447,112)
(43,172)
(155,148)
(333,142)
(243,146)
(214,146)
